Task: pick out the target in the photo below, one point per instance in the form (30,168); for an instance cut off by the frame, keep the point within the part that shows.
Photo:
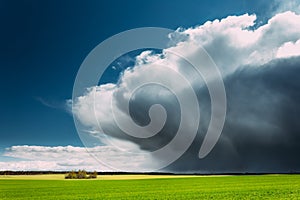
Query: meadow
(151,187)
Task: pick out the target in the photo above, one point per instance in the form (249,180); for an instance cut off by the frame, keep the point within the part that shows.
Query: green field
(151,187)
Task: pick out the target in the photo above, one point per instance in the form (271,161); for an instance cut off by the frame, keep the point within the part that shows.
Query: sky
(43,45)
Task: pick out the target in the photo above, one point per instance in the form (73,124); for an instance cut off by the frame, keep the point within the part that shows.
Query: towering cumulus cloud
(260,67)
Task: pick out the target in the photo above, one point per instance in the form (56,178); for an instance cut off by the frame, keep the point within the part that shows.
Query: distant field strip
(138,187)
(100,177)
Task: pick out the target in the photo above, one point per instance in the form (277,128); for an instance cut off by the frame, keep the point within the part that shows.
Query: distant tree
(71,175)
(93,175)
(81,174)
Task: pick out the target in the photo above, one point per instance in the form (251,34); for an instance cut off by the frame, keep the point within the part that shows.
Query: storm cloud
(260,68)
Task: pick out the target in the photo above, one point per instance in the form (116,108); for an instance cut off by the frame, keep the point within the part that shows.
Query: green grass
(217,187)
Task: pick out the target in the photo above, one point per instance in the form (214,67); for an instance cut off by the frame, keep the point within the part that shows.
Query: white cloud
(71,158)
(289,49)
(146,57)
(232,43)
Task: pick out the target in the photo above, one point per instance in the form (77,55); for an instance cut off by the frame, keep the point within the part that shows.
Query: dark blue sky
(43,43)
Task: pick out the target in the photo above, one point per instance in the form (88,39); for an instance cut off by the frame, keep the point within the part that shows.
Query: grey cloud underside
(261,132)
(139,107)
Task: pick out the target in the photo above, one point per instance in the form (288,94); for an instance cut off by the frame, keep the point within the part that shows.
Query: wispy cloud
(283,6)
(51,103)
